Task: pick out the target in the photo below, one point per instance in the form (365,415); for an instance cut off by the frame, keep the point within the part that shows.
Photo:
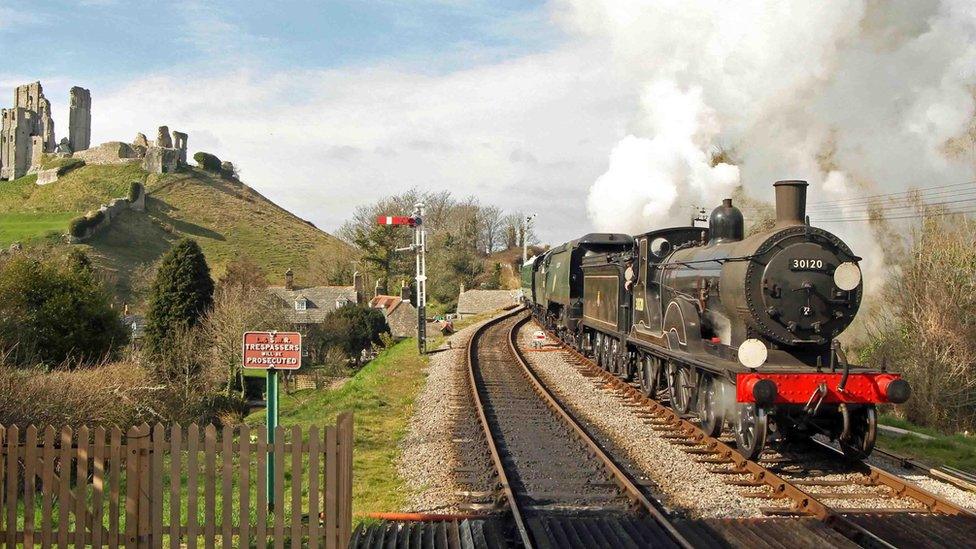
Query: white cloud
(529,133)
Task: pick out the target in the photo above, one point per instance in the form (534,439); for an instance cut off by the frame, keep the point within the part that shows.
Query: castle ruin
(27,129)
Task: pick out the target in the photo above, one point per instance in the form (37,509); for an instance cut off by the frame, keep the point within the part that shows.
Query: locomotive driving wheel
(709,406)
(647,375)
(750,430)
(863,431)
(679,387)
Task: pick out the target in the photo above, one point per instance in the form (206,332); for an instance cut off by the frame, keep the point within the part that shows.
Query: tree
(243,274)
(491,222)
(181,294)
(352,329)
(54,311)
(239,306)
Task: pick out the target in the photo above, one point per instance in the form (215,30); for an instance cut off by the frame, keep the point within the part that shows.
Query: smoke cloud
(855,96)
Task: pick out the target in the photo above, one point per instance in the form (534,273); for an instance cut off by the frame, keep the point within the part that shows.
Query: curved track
(815,481)
(561,488)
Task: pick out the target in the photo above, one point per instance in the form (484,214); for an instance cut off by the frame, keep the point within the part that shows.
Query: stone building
(27,129)
(400,314)
(310,305)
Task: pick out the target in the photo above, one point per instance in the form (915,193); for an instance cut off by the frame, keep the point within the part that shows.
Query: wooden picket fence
(165,487)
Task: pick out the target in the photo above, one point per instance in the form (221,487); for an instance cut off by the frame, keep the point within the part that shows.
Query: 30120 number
(807,264)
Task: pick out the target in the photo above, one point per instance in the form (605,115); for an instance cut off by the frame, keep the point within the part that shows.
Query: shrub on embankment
(927,328)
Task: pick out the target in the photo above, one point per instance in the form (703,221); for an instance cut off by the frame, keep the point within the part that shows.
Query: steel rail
(803,501)
(513,504)
(621,478)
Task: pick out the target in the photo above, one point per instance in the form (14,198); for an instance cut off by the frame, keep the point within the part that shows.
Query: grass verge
(21,227)
(381,396)
(957,450)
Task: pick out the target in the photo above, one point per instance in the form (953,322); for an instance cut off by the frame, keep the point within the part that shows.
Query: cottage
(400,314)
(310,305)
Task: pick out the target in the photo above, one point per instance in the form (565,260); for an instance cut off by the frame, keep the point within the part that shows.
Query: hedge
(79,226)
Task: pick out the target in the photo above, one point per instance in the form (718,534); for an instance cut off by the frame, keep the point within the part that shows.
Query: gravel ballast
(682,484)
(444,454)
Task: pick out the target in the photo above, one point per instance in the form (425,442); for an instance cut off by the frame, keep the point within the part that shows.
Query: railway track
(560,486)
(867,505)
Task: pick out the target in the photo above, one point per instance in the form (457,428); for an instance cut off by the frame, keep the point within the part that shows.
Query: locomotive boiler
(740,331)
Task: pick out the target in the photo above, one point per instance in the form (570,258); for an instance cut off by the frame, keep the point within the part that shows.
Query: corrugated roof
(320,301)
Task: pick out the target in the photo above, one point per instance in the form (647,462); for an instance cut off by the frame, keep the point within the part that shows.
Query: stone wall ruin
(27,129)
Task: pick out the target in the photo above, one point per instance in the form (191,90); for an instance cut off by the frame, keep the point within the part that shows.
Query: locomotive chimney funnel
(791,202)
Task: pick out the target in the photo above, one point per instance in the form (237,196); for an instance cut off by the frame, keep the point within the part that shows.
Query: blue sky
(234,75)
(117,39)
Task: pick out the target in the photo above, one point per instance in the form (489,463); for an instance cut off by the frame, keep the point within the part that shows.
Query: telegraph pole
(525,238)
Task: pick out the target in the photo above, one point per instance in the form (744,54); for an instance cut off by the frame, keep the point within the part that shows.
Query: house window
(301,304)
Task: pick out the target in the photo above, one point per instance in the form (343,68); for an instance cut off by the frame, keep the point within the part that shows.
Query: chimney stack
(791,202)
(289,280)
(357,283)
(462,287)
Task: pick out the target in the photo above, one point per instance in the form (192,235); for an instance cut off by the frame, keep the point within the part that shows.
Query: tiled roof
(385,302)
(321,300)
(480,301)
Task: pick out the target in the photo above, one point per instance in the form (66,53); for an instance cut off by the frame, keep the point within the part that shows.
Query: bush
(207,161)
(135,191)
(115,394)
(54,311)
(351,329)
(926,330)
(181,294)
(79,226)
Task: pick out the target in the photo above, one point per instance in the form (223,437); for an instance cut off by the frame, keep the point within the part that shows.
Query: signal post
(419,247)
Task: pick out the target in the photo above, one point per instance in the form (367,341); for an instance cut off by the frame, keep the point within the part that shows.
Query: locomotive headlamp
(847,276)
(753,353)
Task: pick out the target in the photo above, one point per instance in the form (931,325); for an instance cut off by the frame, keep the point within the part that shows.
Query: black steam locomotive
(735,330)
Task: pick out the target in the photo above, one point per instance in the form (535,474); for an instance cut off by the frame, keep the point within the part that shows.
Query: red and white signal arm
(273,350)
(396,220)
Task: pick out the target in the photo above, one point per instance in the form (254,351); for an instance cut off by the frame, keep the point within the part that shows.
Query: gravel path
(678,480)
(444,454)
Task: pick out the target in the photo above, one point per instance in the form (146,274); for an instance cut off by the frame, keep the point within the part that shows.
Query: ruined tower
(79,119)
(27,131)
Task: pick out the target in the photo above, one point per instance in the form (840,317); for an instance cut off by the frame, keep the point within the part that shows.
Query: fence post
(345,443)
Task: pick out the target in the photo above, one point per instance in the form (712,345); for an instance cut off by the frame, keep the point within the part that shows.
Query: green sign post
(272,351)
(272,427)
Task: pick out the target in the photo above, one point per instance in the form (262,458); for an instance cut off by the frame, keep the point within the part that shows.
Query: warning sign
(273,350)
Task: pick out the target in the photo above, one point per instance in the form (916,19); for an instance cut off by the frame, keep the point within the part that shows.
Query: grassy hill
(226,217)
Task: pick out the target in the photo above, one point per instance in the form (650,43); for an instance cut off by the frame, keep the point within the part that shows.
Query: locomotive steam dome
(725,224)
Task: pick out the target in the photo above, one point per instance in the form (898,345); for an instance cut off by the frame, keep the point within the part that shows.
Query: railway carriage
(736,330)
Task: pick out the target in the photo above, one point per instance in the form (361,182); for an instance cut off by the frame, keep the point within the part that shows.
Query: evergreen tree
(180,296)
(55,311)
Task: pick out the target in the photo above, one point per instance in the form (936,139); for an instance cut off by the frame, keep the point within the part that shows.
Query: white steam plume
(855,96)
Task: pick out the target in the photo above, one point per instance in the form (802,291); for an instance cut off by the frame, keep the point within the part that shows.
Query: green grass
(85,188)
(24,227)
(226,217)
(956,450)
(381,396)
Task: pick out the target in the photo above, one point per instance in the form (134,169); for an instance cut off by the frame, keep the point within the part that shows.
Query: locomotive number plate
(799,264)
